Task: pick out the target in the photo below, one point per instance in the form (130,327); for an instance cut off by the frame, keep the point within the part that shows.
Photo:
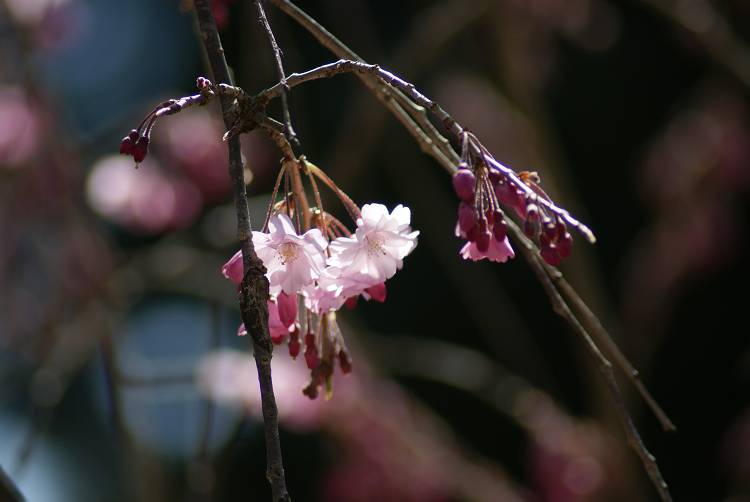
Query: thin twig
(254,288)
(602,363)
(603,338)
(291,135)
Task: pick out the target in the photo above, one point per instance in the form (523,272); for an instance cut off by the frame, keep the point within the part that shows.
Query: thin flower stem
(316,193)
(274,194)
(301,205)
(337,224)
(254,288)
(349,204)
(291,135)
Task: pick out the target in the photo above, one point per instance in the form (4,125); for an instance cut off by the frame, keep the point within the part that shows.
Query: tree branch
(602,363)
(405,91)
(254,288)
(603,338)
(291,135)
(371,76)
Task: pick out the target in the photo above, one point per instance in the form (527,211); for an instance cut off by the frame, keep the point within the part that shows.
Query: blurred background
(121,375)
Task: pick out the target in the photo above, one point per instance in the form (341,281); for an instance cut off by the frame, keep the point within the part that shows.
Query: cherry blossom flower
(328,293)
(378,248)
(292,261)
(498,251)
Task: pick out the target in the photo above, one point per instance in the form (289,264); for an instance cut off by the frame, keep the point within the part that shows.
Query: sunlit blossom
(378,248)
(292,261)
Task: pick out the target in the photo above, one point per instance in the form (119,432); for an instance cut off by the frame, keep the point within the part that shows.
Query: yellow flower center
(374,245)
(288,252)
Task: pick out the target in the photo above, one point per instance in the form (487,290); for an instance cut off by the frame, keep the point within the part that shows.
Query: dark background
(466,385)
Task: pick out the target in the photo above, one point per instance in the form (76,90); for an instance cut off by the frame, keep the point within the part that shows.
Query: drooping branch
(254,288)
(602,364)
(601,336)
(433,144)
(409,90)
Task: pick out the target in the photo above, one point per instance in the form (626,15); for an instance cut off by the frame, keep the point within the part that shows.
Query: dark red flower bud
(311,390)
(532,225)
(140,149)
(377,292)
(464,183)
(126,146)
(473,234)
(309,340)
(562,229)
(467,217)
(344,362)
(287,308)
(499,229)
(532,212)
(294,345)
(564,244)
(549,254)
(128,142)
(531,229)
(509,196)
(483,241)
(494,176)
(311,357)
(550,229)
(351,302)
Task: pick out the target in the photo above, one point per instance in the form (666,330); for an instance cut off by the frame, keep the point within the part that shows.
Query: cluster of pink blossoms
(481,220)
(326,275)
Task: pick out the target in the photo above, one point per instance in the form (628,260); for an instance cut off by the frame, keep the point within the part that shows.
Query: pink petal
(377,292)
(233,269)
(276,328)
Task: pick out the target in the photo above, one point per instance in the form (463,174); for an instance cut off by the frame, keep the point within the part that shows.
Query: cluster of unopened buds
(482,188)
(321,270)
(136,142)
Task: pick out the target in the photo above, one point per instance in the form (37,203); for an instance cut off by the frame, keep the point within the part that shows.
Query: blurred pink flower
(20,128)
(145,201)
(192,145)
(230,377)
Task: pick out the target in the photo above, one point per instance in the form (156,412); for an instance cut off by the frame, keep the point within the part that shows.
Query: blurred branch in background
(703,22)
